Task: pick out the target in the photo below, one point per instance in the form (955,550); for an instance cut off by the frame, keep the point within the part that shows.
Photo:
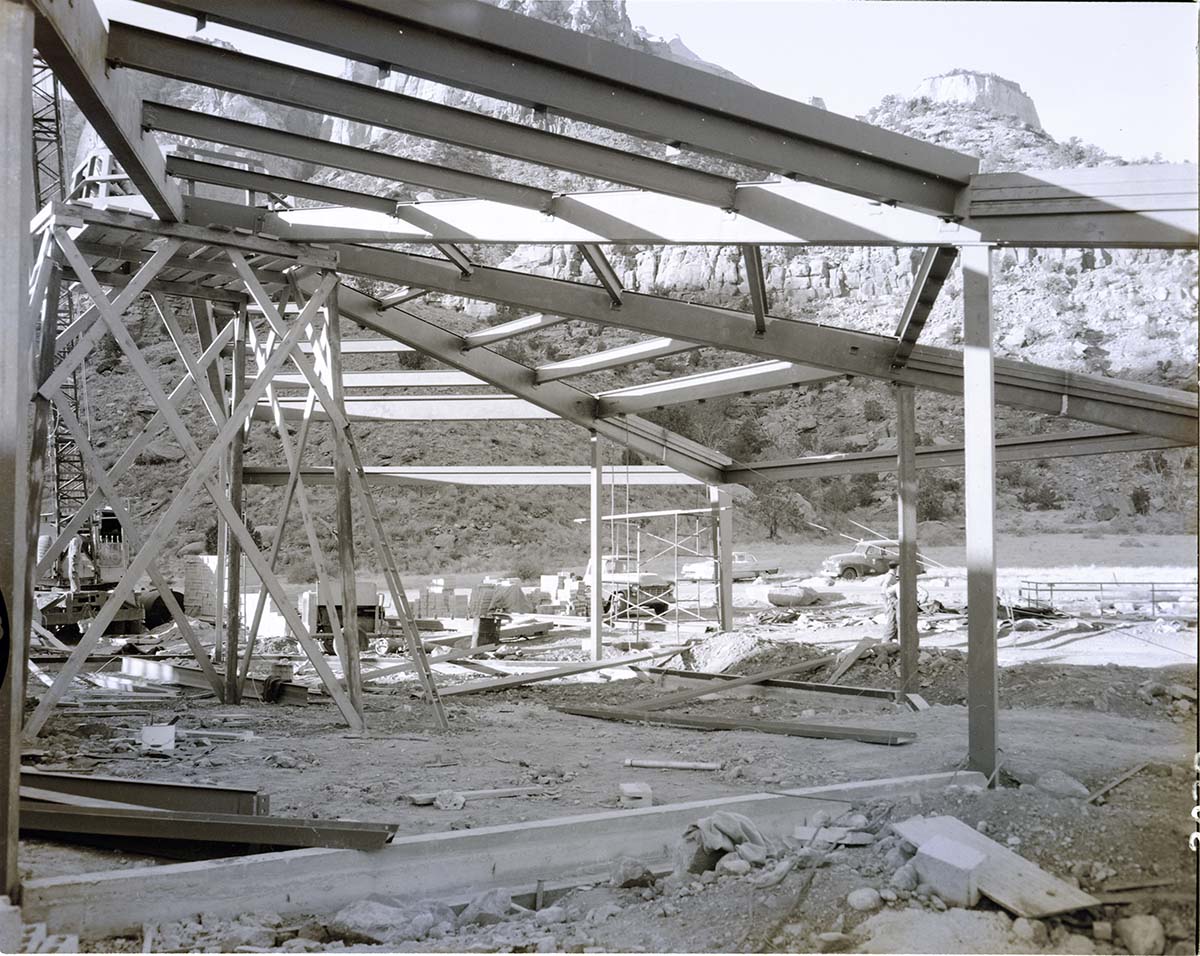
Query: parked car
(868,557)
(746,567)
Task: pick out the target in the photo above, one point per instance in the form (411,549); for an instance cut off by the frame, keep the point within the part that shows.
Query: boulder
(733,864)
(864,899)
(1142,935)
(368,921)
(1061,784)
(487,908)
(550,915)
(905,877)
(627,873)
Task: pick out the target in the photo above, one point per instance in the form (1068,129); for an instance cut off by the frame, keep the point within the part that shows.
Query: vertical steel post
(906,506)
(16,392)
(596,584)
(351,648)
(722,543)
(233,555)
(980,460)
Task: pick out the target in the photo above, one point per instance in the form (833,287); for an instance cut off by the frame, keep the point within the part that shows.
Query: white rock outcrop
(984,91)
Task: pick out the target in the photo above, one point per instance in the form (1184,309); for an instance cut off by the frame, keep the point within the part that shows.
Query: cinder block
(950,868)
(636,795)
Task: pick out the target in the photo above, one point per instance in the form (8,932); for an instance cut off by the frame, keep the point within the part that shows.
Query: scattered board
(1012,881)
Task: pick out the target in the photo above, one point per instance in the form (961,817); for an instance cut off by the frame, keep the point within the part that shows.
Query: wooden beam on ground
(692,679)
(849,658)
(170,673)
(428,865)
(165,795)
(867,735)
(567,670)
(979,428)
(686,696)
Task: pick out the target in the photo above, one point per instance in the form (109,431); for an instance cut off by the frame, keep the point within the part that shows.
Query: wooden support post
(980,460)
(906,506)
(16,392)
(233,551)
(596,584)
(351,650)
(722,544)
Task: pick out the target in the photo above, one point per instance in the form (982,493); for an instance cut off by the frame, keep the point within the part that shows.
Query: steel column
(980,458)
(906,519)
(722,542)
(16,393)
(596,584)
(233,550)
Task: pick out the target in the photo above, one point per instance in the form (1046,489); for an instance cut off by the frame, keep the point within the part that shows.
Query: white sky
(1120,75)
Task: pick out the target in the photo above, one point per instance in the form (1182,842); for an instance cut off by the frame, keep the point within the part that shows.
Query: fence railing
(1053,594)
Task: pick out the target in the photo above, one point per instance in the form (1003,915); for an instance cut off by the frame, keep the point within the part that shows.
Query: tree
(776,507)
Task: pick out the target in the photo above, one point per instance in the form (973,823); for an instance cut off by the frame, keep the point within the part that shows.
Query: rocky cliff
(980,91)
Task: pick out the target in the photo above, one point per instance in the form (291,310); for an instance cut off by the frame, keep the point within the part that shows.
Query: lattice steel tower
(49,183)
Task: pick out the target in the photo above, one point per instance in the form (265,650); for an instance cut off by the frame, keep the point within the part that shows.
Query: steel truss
(315,324)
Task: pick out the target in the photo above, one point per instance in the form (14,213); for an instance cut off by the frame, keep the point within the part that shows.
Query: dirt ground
(1093,722)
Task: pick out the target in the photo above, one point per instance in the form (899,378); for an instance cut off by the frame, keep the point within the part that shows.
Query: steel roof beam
(457,256)
(416,408)
(307,149)
(651,441)
(740,380)
(927,283)
(152,52)
(478,47)
(508,330)
(603,271)
(617,357)
(1146,409)
(1023,448)
(217,175)
(752,260)
(402,379)
(768,214)
(493,475)
(71,38)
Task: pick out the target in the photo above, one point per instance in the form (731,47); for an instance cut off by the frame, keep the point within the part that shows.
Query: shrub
(873,410)
(1140,498)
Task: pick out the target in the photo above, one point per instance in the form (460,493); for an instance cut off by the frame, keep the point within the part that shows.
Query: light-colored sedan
(746,567)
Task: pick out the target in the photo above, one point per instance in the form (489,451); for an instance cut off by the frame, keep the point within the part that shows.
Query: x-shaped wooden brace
(199,477)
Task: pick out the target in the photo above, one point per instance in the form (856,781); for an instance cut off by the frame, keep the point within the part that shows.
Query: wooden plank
(162,794)
(695,678)
(684,696)
(1113,784)
(426,799)
(849,658)
(437,865)
(567,670)
(1012,881)
(789,728)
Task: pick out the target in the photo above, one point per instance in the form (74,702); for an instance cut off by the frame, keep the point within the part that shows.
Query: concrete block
(636,795)
(949,867)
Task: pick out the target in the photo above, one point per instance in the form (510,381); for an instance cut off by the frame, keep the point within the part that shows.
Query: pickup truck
(746,567)
(868,557)
(628,592)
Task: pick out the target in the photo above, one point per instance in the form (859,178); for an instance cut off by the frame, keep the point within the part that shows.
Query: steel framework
(840,182)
